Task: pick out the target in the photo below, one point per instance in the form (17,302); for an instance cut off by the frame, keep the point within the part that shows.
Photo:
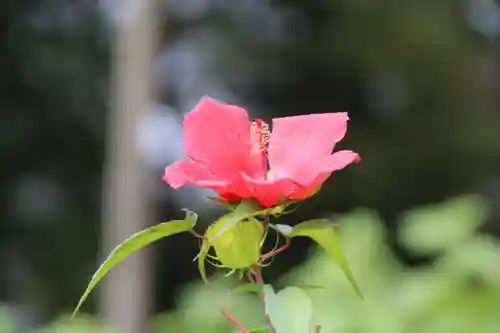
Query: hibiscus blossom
(240,159)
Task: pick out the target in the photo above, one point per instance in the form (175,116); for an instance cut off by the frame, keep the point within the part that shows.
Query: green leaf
(299,308)
(136,242)
(310,286)
(290,310)
(249,287)
(433,228)
(276,310)
(322,232)
(7,322)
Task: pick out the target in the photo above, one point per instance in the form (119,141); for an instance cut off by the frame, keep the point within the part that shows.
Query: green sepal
(244,211)
(239,246)
(229,205)
(201,257)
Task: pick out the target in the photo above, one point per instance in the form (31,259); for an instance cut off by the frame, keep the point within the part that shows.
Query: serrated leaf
(134,243)
(249,287)
(322,232)
(290,310)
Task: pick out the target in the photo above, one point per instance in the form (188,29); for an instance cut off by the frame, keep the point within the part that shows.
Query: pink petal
(299,144)
(217,135)
(340,160)
(229,196)
(270,192)
(182,172)
(236,188)
(335,162)
(301,193)
(189,172)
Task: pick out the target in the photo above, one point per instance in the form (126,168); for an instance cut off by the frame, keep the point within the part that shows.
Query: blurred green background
(419,216)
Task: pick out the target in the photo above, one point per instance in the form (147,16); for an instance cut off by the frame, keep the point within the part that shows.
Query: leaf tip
(75,312)
(190,215)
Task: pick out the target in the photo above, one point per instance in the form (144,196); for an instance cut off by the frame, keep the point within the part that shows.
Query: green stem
(195,234)
(277,251)
(257,277)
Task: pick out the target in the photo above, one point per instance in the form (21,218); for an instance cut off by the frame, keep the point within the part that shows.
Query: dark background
(420,80)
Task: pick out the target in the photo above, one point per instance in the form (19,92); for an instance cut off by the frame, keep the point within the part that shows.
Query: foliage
(460,292)
(237,238)
(6,319)
(290,310)
(136,242)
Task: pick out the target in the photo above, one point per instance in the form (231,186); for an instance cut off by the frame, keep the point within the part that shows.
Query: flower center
(260,135)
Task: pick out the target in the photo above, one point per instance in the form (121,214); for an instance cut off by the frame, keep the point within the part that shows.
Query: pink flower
(230,155)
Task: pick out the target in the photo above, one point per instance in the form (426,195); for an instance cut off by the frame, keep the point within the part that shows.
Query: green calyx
(237,236)
(239,246)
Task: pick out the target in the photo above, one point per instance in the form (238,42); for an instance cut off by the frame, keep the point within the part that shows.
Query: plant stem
(277,251)
(195,234)
(235,321)
(265,223)
(257,274)
(317,328)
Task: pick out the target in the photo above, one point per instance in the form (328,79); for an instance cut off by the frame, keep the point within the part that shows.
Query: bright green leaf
(136,242)
(322,232)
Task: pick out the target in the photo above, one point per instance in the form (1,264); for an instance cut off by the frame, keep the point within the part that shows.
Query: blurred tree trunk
(126,300)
